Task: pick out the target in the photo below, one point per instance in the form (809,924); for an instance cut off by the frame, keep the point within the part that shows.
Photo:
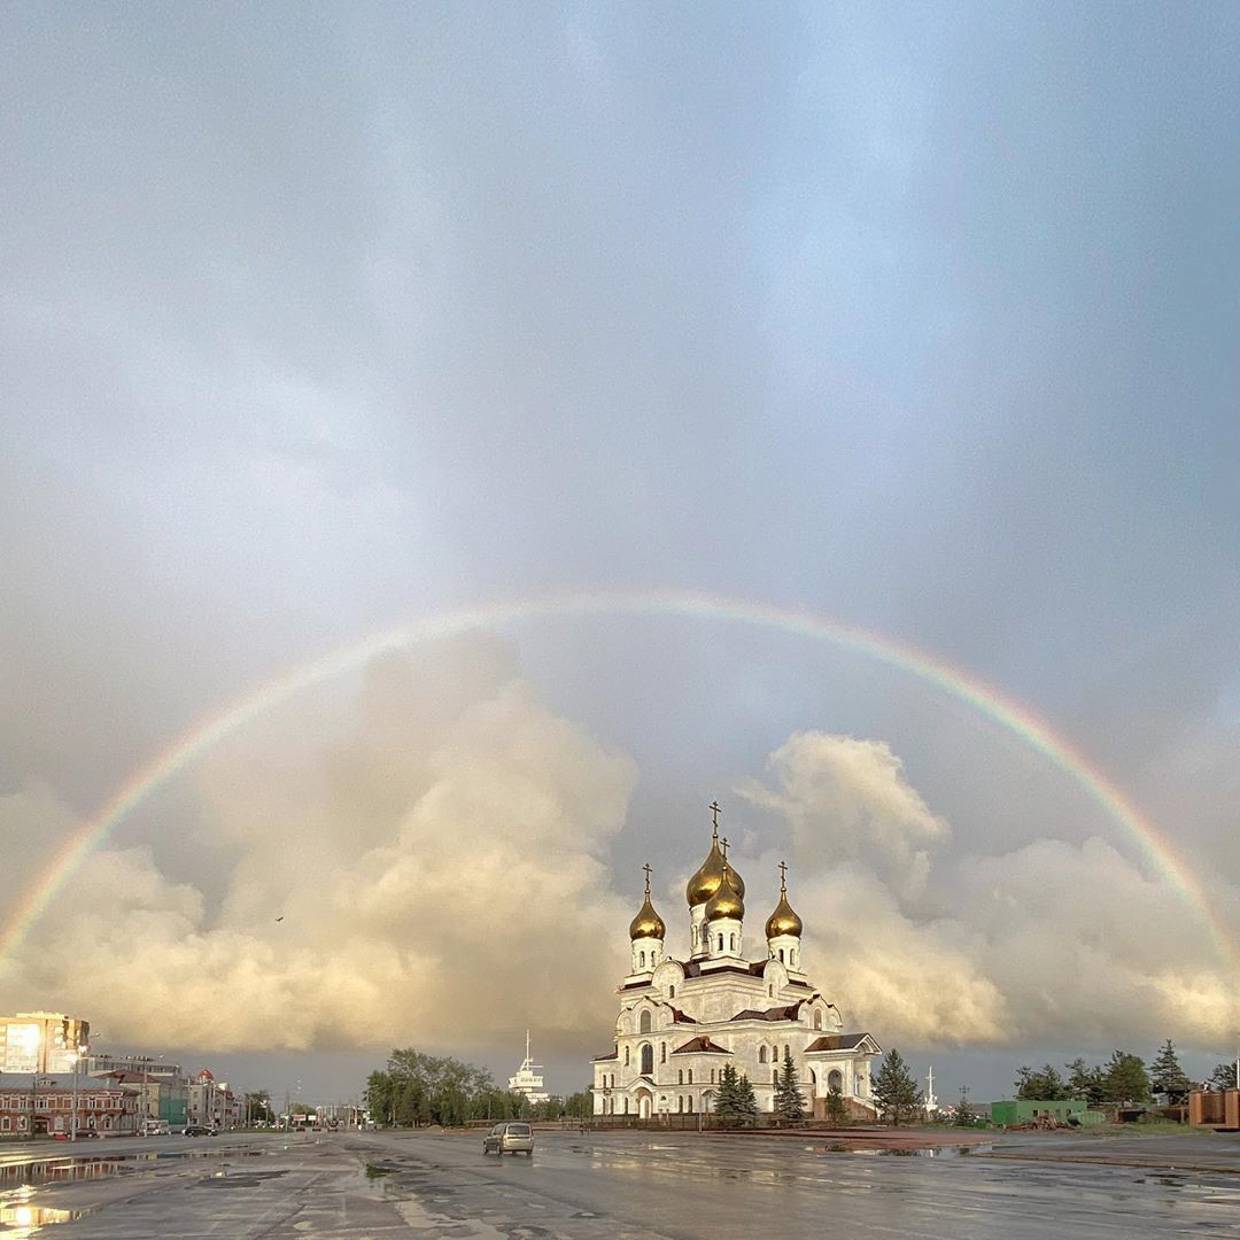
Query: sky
(318,321)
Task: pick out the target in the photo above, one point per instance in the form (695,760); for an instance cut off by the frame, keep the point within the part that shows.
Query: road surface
(617,1185)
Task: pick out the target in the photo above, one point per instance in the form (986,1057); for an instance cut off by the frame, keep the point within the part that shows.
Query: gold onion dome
(728,900)
(784,919)
(647,924)
(706,881)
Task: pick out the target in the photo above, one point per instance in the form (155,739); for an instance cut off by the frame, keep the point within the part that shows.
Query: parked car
(199,1130)
(509,1139)
(155,1128)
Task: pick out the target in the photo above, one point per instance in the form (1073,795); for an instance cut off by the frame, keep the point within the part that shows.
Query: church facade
(681,1021)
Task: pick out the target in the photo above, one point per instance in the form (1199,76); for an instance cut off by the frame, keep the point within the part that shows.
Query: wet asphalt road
(636,1185)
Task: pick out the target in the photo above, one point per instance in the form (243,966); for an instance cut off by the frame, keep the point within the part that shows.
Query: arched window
(817,1020)
(626,1105)
(775,1077)
(794,957)
(680,1103)
(731,942)
(781,955)
(641,956)
(671,992)
(690,1076)
(762,1054)
(663,1052)
(787,1050)
(645,1022)
(680,1077)
(690,1101)
(770,992)
(647,1058)
(721,942)
(626,1056)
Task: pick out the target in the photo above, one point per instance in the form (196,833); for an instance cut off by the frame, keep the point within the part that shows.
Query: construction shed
(1030,1110)
(1214,1110)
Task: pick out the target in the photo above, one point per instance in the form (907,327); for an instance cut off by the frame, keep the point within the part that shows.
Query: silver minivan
(509,1139)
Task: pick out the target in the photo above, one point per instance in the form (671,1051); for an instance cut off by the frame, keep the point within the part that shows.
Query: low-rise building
(165,1098)
(1030,1110)
(212,1103)
(36,1104)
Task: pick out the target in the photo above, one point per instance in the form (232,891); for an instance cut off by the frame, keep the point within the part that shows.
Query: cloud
(483,903)
(848,800)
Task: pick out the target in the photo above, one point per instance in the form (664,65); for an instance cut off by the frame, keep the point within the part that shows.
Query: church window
(663,1049)
(626,1056)
(645,1022)
(787,1050)
(671,992)
(762,1054)
(775,1077)
(690,1076)
(781,955)
(794,957)
(680,1077)
(770,991)
(817,1020)
(731,942)
(642,959)
(712,1076)
(690,1102)
(721,942)
(680,1104)
(647,1058)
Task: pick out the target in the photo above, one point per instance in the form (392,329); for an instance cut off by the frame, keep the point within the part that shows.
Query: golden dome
(784,919)
(728,900)
(647,924)
(706,881)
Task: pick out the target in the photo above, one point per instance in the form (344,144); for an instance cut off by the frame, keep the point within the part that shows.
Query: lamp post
(74,1058)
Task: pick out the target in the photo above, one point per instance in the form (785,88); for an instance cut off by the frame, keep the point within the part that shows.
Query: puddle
(928,1151)
(26,1220)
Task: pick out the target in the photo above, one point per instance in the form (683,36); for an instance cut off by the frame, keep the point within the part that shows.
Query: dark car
(509,1139)
(199,1130)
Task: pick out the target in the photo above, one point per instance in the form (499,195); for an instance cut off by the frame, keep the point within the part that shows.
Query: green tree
(837,1109)
(380,1097)
(1045,1085)
(1223,1076)
(789,1101)
(258,1107)
(966,1117)
(728,1100)
(579,1105)
(1125,1078)
(1085,1082)
(1166,1075)
(746,1101)
(895,1091)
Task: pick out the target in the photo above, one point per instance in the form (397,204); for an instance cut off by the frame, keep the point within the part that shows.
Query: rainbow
(1154,847)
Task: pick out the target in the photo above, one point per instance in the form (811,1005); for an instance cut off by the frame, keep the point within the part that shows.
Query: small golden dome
(647,924)
(727,901)
(784,919)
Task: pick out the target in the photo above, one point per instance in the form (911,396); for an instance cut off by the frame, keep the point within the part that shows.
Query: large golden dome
(728,900)
(706,881)
(647,924)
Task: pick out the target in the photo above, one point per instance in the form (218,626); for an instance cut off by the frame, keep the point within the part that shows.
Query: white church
(681,1021)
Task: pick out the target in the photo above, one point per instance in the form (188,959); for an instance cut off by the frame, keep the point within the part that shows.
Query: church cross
(783,877)
(715,811)
(648,870)
(724,842)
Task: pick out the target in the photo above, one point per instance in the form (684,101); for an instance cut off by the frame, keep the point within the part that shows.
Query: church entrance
(644,1101)
(835,1079)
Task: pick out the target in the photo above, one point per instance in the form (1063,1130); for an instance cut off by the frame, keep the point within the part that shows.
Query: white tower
(646,935)
(932,1103)
(783,930)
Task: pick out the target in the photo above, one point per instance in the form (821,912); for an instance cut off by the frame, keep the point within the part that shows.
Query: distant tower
(528,1081)
(932,1103)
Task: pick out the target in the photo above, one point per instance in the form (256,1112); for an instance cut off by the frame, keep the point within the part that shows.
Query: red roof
(699,1046)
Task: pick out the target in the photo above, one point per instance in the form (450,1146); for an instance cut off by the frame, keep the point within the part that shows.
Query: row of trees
(417,1089)
(1123,1078)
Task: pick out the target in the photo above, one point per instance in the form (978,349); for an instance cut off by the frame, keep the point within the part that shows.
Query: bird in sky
(280,918)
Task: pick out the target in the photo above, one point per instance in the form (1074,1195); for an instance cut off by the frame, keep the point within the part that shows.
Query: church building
(681,1021)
